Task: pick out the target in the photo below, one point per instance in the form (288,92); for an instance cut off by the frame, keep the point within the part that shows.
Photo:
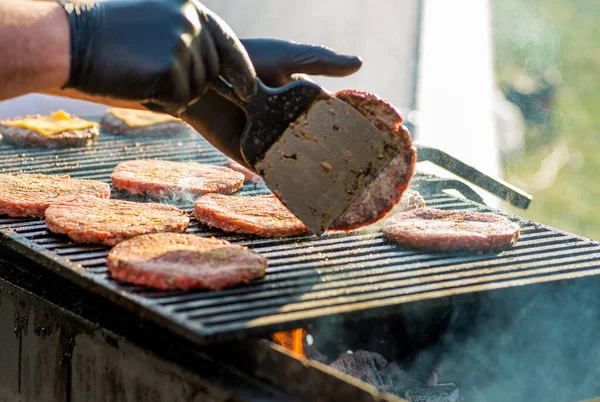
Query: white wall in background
(456,83)
(382,32)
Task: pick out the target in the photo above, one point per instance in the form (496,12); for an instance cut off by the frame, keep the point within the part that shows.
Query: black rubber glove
(276,63)
(159,51)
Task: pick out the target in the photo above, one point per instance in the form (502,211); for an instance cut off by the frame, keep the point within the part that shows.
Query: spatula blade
(324,161)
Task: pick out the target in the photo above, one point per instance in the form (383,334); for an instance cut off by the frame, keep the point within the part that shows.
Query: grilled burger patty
(387,189)
(411,199)
(262,216)
(96,220)
(180,261)
(434,229)
(161,179)
(249,175)
(28,195)
(25,137)
(112,124)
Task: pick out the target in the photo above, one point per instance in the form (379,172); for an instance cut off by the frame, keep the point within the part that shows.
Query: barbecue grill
(311,281)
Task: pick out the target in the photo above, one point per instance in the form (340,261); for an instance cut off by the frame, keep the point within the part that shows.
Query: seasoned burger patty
(411,199)
(262,216)
(386,191)
(95,220)
(28,195)
(112,124)
(161,179)
(180,261)
(26,137)
(434,229)
(249,175)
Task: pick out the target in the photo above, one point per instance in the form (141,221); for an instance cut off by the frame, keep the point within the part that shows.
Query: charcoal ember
(374,369)
(364,365)
(399,379)
(436,376)
(433,379)
(438,393)
(313,354)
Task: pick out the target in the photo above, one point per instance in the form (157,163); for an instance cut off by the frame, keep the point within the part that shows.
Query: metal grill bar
(308,278)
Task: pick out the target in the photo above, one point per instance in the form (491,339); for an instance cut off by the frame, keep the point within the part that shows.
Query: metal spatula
(316,153)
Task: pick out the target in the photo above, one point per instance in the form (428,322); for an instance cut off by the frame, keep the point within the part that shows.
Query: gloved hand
(276,63)
(159,51)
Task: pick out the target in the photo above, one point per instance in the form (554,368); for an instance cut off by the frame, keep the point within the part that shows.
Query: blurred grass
(530,37)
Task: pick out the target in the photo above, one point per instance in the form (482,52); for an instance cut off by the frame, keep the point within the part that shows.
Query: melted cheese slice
(54,123)
(141,118)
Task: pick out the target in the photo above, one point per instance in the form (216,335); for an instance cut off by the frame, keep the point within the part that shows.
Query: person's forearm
(73,94)
(34,47)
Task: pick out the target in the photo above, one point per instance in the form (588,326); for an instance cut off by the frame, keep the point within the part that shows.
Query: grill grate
(308,278)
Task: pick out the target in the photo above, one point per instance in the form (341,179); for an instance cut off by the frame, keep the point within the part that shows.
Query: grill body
(50,354)
(309,280)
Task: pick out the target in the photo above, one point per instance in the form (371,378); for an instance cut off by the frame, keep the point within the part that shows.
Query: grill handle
(499,188)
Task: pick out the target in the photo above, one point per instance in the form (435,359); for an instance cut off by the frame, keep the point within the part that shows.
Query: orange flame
(291,340)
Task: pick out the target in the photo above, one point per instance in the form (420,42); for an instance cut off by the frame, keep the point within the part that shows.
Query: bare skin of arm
(35,52)
(34,47)
(70,93)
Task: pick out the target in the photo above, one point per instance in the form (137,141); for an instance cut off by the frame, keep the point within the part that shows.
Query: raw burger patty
(435,229)
(28,195)
(26,137)
(179,261)
(386,191)
(95,220)
(262,216)
(160,179)
(112,124)
(249,175)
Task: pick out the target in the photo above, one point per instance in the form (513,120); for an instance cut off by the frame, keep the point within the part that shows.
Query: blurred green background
(554,44)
